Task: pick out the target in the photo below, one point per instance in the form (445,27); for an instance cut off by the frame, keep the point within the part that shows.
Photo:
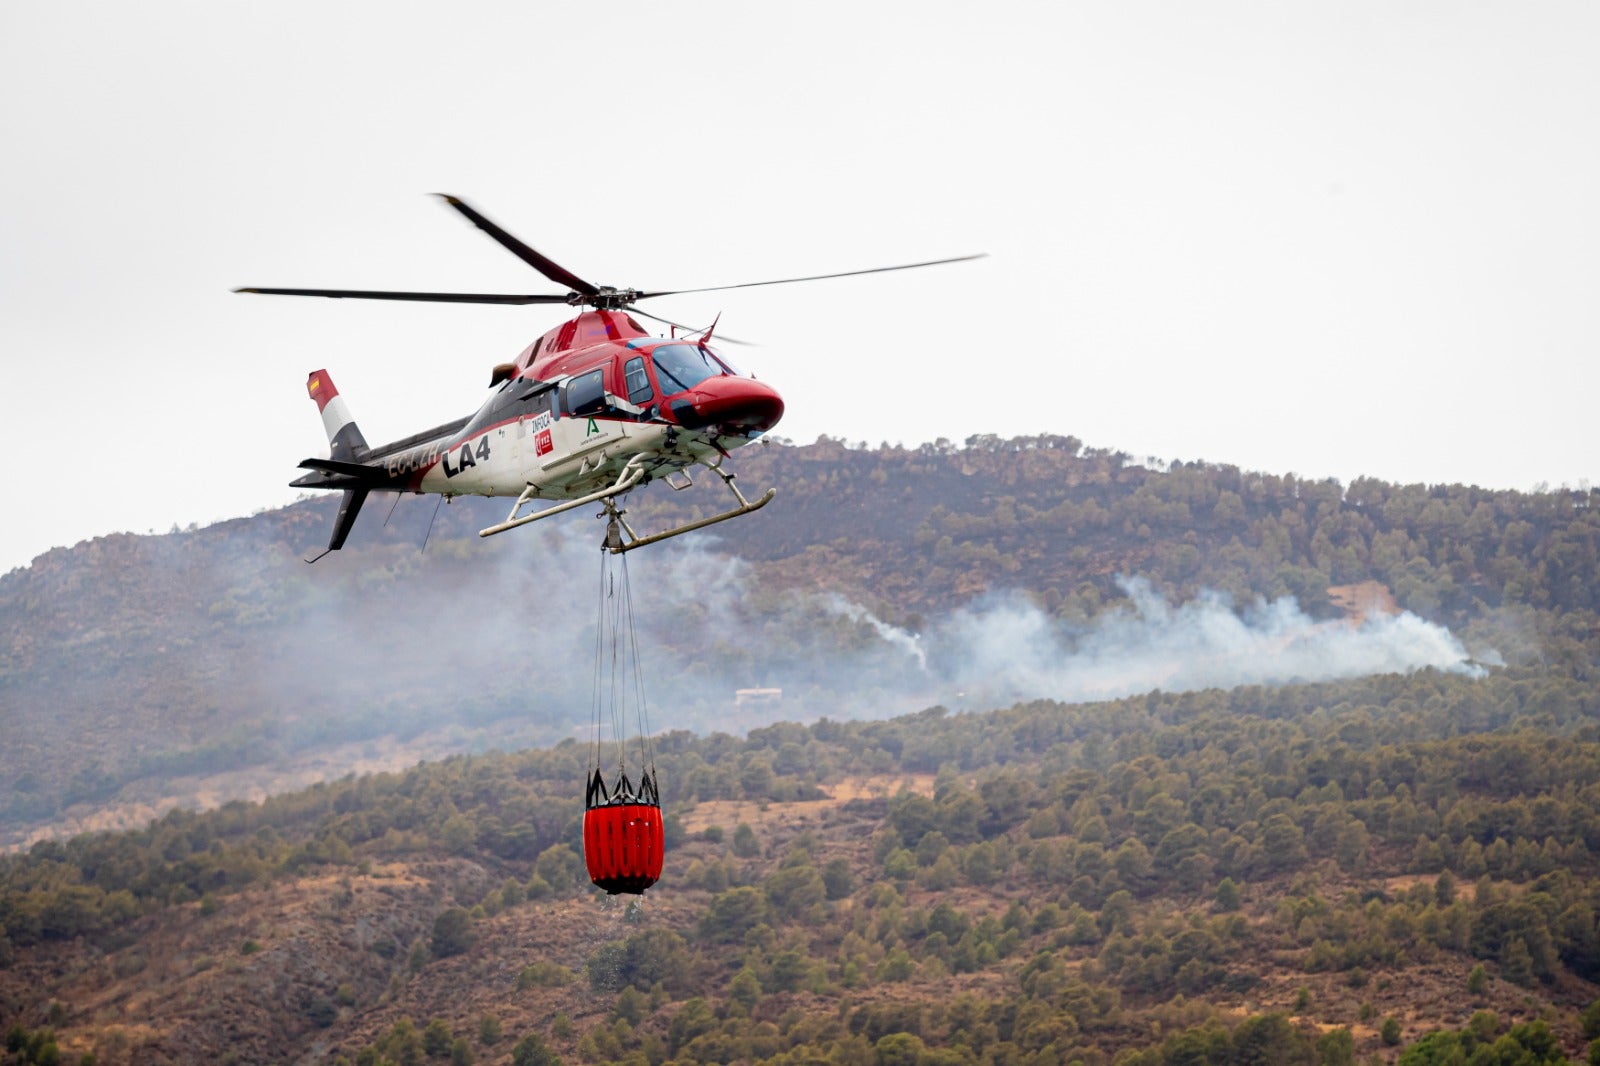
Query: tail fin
(349,507)
(344,438)
(346,445)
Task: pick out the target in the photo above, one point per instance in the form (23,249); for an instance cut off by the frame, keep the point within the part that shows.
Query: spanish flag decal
(313,385)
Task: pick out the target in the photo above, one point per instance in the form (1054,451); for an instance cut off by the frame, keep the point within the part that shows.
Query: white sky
(1336,238)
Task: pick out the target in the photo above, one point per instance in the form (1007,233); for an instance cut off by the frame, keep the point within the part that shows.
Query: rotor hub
(605,298)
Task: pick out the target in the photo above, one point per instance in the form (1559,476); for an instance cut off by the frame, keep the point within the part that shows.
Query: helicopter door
(584,396)
(587,420)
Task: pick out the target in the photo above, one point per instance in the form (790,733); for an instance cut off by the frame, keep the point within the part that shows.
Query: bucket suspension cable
(647,753)
(623,832)
(614,694)
(619,681)
(595,687)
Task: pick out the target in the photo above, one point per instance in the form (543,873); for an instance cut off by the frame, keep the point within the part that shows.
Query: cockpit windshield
(683,366)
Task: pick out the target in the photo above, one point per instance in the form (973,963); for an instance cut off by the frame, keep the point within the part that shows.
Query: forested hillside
(136,672)
(1404,865)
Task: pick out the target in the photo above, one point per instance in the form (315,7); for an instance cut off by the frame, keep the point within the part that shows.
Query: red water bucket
(623,846)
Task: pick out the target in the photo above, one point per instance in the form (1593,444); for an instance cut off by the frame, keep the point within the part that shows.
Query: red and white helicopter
(592,409)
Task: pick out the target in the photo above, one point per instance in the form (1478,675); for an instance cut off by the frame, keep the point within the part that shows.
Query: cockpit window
(726,364)
(683,366)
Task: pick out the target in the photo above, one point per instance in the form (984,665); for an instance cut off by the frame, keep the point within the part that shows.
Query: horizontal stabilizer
(344,475)
(334,466)
(320,480)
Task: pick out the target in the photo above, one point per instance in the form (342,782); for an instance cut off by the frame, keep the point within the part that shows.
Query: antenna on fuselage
(431,520)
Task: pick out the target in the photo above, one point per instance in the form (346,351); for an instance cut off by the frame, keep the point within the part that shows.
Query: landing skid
(631,475)
(620,536)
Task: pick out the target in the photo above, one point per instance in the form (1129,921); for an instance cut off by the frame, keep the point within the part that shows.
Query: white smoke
(1008,649)
(894,636)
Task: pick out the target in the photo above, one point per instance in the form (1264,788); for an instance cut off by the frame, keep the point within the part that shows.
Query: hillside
(141,672)
(1313,874)
(1291,772)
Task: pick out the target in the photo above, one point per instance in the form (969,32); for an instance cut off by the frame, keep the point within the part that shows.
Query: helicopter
(591,410)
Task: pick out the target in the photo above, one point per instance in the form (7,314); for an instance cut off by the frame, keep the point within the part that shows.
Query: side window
(585,394)
(636,380)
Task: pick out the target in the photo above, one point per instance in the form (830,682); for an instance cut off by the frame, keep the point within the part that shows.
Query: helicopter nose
(741,405)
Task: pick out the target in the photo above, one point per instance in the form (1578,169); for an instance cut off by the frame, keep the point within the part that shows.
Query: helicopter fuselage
(591,402)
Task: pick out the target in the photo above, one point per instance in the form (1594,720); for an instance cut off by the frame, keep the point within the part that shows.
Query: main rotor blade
(544,265)
(430,297)
(814,277)
(720,338)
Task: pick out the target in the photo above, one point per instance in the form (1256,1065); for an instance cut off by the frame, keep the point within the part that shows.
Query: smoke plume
(1007,649)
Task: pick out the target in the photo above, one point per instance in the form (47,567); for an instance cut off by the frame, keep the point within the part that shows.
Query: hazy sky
(1336,239)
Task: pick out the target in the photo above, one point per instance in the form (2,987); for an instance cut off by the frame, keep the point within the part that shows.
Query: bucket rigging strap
(624,791)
